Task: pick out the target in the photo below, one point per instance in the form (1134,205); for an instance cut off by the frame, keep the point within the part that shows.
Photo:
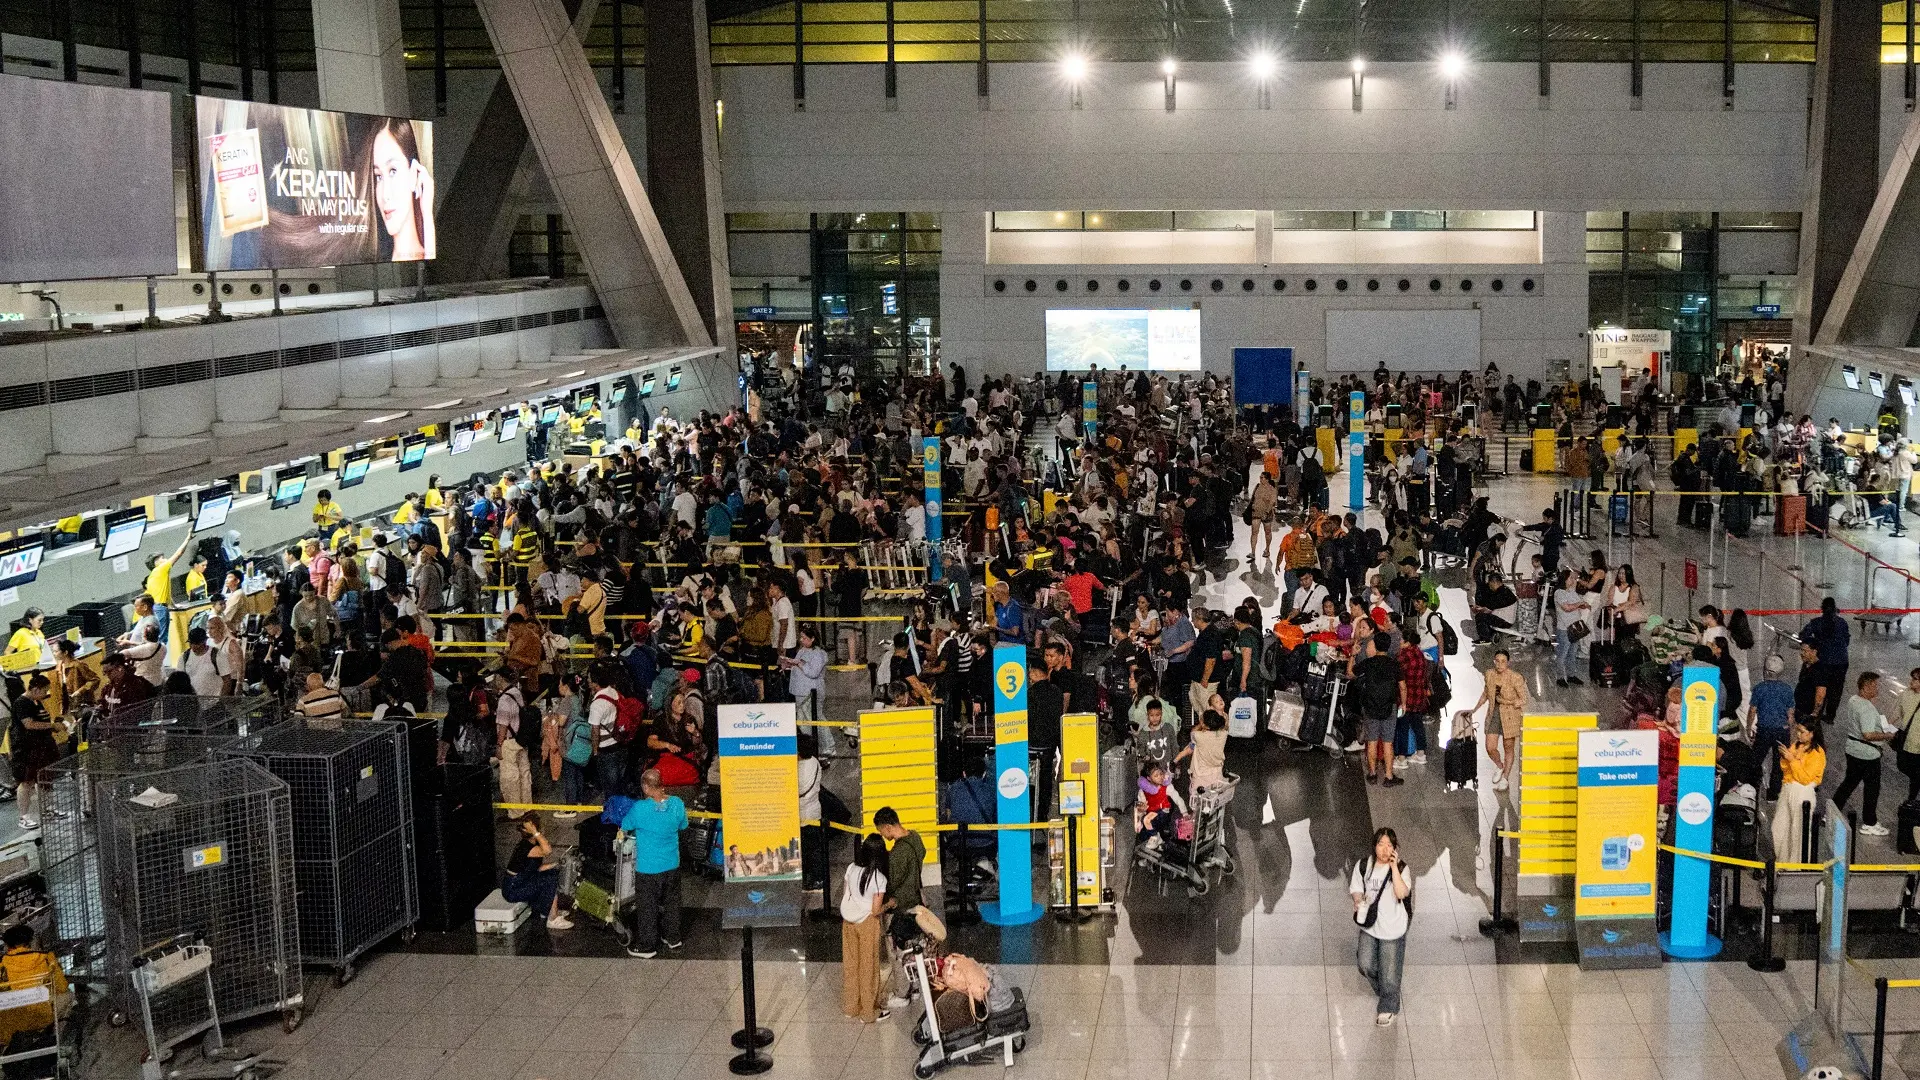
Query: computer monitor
(213,506)
(462,440)
(550,414)
(1852,377)
(1876,384)
(509,425)
(288,486)
(646,385)
(673,379)
(584,400)
(413,452)
(353,468)
(1906,393)
(121,533)
(619,392)
(20,560)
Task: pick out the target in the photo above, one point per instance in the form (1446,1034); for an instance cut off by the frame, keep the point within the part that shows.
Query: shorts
(1495,727)
(1380,730)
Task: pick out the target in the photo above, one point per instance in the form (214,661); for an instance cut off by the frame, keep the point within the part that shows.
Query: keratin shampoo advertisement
(282,188)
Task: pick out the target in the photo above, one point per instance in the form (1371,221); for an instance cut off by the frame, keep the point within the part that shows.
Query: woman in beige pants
(861,971)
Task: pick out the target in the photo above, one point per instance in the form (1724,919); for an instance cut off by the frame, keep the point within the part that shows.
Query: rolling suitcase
(1118,778)
(1603,659)
(1462,764)
(1907,836)
(1285,715)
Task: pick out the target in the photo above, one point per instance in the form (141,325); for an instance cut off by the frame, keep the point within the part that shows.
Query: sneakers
(896,1003)
(1383,1020)
(1400,763)
(566,815)
(1574,680)
(559,922)
(1420,757)
(1393,781)
(672,944)
(882,1015)
(635,952)
(1875,830)
(1562,683)
(1499,783)
(1355,747)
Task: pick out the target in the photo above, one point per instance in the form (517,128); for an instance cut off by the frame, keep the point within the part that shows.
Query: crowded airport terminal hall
(1099,539)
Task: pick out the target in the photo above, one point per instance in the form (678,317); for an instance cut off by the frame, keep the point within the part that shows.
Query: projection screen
(1403,340)
(87,173)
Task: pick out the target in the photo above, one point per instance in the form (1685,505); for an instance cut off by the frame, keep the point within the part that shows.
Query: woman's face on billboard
(396,185)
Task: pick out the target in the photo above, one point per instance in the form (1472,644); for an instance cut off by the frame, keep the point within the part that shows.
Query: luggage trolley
(1002,1033)
(36,1006)
(1194,861)
(171,968)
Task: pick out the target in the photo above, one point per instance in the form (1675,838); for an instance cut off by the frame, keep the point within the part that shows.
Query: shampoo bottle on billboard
(240,185)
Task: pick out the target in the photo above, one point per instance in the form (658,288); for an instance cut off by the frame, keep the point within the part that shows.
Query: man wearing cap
(1769,716)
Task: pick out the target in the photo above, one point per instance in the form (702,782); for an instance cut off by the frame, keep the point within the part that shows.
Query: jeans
(1565,649)
(573,782)
(1410,734)
(656,910)
(1380,962)
(1768,740)
(1861,771)
(164,622)
(534,888)
(611,767)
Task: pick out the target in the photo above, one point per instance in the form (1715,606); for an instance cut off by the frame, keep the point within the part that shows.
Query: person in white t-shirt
(786,630)
(863,897)
(1382,886)
(200,664)
(913,520)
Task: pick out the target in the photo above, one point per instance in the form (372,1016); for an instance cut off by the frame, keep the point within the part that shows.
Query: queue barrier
(709,815)
(1881,985)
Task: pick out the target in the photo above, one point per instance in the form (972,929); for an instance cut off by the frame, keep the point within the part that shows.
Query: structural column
(1843,157)
(593,177)
(362,63)
(683,156)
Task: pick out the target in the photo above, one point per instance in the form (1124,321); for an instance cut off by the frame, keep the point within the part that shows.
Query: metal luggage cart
(1002,1034)
(606,897)
(188,715)
(38,1006)
(1194,861)
(171,969)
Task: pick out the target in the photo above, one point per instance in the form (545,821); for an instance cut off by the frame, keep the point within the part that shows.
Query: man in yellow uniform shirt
(160,584)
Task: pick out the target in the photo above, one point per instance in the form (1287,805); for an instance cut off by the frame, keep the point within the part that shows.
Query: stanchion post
(751,1036)
(1879,1025)
(1806,832)
(1765,960)
(1499,922)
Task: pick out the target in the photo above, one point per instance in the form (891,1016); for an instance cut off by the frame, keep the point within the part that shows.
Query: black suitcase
(1603,664)
(595,838)
(1907,833)
(1526,460)
(1313,723)
(1462,764)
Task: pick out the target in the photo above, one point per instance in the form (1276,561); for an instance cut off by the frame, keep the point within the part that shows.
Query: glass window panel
(1213,220)
(1400,220)
(923,221)
(1031,220)
(1605,219)
(1669,219)
(1653,241)
(1603,260)
(1490,219)
(769,222)
(1313,220)
(1605,241)
(1770,219)
(1129,220)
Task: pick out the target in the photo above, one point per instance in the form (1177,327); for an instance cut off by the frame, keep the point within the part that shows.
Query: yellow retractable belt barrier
(708,815)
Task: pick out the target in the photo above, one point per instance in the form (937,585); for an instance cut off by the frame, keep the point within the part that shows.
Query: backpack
(1449,640)
(1439,688)
(1272,653)
(631,717)
(579,742)
(1312,476)
(529,732)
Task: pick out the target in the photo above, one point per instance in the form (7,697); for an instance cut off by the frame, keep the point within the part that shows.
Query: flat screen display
(412,453)
(282,187)
(584,401)
(673,379)
(214,505)
(353,468)
(462,440)
(20,560)
(549,415)
(87,173)
(121,533)
(288,488)
(509,426)
(1137,339)
(646,385)
(619,392)
(1852,377)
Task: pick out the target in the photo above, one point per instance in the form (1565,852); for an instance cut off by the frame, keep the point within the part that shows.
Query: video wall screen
(87,178)
(1154,339)
(282,187)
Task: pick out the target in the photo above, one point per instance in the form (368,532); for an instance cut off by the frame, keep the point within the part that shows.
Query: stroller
(1849,508)
(1194,859)
(1003,1032)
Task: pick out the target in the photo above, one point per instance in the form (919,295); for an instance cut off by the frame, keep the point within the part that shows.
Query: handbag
(1579,630)
(1365,920)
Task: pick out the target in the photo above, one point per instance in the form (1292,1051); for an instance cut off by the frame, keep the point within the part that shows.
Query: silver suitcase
(1119,778)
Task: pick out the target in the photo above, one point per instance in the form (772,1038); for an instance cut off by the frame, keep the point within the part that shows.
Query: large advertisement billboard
(1154,339)
(86,182)
(281,187)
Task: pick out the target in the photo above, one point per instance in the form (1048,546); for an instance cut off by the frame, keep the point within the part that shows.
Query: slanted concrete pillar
(683,156)
(593,177)
(1843,157)
(362,64)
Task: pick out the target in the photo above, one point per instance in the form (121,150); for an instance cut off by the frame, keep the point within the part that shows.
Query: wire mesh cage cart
(205,849)
(232,716)
(353,826)
(69,792)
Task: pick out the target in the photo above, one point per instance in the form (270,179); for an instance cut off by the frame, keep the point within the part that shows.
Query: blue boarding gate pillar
(1015,905)
(1687,937)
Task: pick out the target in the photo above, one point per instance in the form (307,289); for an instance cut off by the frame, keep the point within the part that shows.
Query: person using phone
(1382,908)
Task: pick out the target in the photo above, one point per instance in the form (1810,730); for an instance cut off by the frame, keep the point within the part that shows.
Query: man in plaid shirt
(1416,693)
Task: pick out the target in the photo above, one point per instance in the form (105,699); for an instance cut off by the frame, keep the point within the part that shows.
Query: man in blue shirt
(1827,632)
(719,524)
(1770,712)
(1009,618)
(655,822)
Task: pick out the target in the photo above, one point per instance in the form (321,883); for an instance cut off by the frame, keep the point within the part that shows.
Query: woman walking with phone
(1382,908)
